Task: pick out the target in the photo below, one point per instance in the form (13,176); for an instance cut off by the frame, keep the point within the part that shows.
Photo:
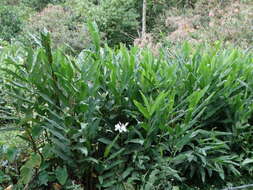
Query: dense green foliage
(62,25)
(117,19)
(126,119)
(38,5)
(120,21)
(80,115)
(10,23)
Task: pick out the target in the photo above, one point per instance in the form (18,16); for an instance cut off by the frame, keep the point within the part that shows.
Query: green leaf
(195,97)
(127,172)
(4,178)
(61,174)
(46,43)
(36,131)
(83,150)
(160,98)
(247,161)
(203,174)
(136,141)
(142,109)
(44,178)
(116,154)
(109,147)
(107,142)
(145,102)
(34,161)
(26,174)
(93,29)
(175,188)
(185,139)
(109,183)
(11,153)
(47,151)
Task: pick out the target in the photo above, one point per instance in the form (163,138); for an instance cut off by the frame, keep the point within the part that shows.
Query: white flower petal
(121,127)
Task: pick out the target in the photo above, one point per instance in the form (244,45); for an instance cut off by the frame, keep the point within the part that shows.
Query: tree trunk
(144,13)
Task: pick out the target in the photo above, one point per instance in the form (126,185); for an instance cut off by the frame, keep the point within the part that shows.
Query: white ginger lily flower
(121,127)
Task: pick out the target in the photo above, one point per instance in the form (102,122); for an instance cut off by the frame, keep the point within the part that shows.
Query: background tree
(144,11)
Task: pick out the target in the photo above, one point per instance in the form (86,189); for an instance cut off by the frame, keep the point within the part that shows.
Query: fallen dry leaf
(10,187)
(56,186)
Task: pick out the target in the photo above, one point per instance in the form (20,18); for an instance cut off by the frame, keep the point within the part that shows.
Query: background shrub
(120,21)
(62,26)
(10,22)
(38,5)
(117,19)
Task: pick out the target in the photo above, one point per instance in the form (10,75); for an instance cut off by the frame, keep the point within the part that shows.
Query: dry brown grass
(211,20)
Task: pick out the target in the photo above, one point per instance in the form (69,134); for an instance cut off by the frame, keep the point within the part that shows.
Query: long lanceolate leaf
(93,29)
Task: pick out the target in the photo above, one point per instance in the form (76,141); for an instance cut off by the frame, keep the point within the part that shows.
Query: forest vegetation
(126,95)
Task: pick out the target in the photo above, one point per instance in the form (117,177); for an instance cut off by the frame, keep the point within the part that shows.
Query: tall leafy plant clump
(6,109)
(125,119)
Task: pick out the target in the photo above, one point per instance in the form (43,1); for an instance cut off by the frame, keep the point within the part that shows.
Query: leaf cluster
(189,115)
